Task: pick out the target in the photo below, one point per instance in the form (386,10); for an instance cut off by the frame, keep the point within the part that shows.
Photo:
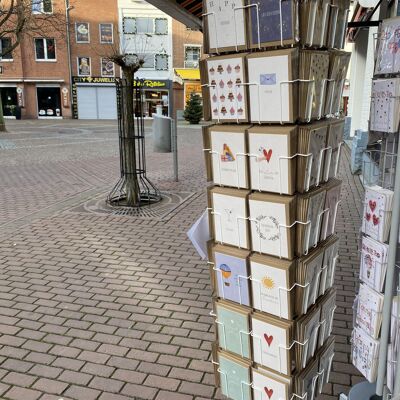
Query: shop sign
(20,96)
(149,83)
(90,79)
(65,97)
(192,87)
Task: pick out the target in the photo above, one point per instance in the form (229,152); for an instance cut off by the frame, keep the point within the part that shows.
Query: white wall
(146,43)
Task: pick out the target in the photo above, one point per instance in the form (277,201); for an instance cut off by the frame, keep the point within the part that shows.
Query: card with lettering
(271,219)
(232,277)
(229,216)
(233,328)
(271,281)
(272,162)
(234,377)
(228,155)
(270,386)
(271,340)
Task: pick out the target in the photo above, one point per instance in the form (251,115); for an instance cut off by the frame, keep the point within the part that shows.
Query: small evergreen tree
(194,109)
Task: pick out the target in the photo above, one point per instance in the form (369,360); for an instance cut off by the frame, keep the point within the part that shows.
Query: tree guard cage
(133,189)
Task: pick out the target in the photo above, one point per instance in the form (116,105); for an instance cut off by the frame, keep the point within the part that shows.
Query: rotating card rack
(321,100)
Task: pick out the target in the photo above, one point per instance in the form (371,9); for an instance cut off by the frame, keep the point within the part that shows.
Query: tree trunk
(129,149)
(2,121)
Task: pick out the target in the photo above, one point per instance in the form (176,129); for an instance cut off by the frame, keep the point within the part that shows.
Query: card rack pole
(390,275)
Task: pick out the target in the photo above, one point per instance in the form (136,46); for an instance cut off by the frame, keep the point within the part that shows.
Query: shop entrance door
(49,102)
(9,101)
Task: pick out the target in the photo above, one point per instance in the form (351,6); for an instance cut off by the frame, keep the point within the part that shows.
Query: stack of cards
(374,256)
(306,381)
(272,280)
(388,54)
(228,154)
(314,69)
(272,152)
(233,328)
(228,222)
(331,254)
(230,274)
(385,105)
(377,213)
(314,22)
(227,96)
(307,329)
(234,376)
(309,271)
(365,351)
(369,311)
(335,138)
(310,207)
(338,23)
(270,74)
(271,219)
(333,190)
(270,385)
(325,356)
(328,306)
(395,327)
(272,339)
(310,163)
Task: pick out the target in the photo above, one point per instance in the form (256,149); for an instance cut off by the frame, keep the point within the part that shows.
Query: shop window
(84,66)
(161,62)
(140,25)
(82,32)
(192,56)
(9,101)
(106,33)
(49,102)
(107,67)
(45,49)
(5,43)
(42,6)
(161,26)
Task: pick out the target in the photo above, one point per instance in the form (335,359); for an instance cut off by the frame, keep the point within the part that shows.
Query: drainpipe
(68,8)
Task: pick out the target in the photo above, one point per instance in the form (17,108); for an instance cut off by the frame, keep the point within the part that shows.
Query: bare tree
(20,19)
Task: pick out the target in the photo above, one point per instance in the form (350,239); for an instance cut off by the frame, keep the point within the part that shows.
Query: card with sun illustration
(271,342)
(271,281)
(234,375)
(272,159)
(270,386)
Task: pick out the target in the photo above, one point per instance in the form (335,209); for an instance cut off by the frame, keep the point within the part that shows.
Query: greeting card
(231,274)
(306,381)
(268,74)
(332,199)
(325,363)
(224,25)
(271,340)
(369,311)
(270,386)
(365,351)
(272,162)
(328,305)
(233,328)
(388,53)
(234,375)
(271,218)
(373,263)
(227,92)
(377,213)
(229,216)
(271,281)
(228,155)
(385,105)
(331,254)
(335,138)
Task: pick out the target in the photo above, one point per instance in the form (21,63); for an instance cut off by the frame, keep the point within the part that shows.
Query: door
(49,102)
(97,102)
(9,101)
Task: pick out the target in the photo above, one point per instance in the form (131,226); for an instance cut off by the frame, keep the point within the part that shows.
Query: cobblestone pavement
(96,306)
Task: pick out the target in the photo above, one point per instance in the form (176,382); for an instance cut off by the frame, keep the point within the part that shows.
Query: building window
(5,43)
(161,26)
(148,61)
(107,67)
(82,32)
(192,56)
(106,33)
(129,25)
(84,67)
(140,25)
(45,49)
(161,62)
(42,6)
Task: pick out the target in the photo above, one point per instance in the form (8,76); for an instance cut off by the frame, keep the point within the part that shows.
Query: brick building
(66,74)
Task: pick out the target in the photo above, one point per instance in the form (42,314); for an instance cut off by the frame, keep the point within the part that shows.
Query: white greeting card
(266,75)
(388,53)
(313,277)
(270,343)
(229,162)
(226,24)
(330,259)
(369,310)
(329,218)
(385,105)
(267,386)
(268,232)
(268,289)
(315,216)
(226,76)
(270,161)
(373,263)
(229,217)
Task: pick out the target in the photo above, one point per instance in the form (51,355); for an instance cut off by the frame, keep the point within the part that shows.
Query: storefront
(190,78)
(9,100)
(49,101)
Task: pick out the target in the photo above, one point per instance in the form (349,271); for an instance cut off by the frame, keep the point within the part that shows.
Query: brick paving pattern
(104,307)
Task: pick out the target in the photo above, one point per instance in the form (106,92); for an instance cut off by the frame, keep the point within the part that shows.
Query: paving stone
(18,393)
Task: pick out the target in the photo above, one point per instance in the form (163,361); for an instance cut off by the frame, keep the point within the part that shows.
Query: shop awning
(188,74)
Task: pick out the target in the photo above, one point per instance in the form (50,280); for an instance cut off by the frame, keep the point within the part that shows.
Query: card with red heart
(269,386)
